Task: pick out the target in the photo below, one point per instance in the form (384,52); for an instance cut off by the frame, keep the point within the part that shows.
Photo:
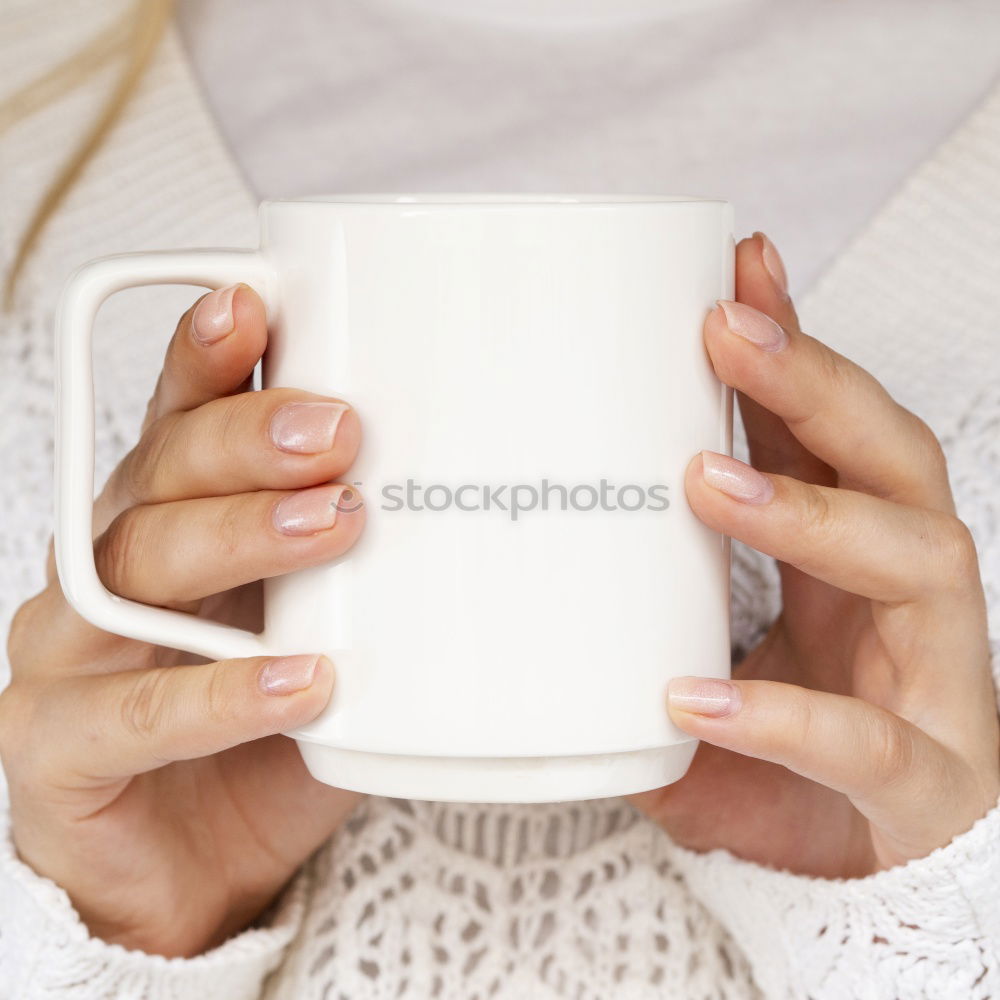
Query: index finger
(212,352)
(835,409)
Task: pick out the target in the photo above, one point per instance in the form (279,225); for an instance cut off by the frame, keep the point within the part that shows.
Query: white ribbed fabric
(585,900)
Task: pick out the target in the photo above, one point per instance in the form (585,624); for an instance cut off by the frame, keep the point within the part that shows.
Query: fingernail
(287,674)
(213,316)
(755,326)
(706,696)
(736,479)
(774,264)
(306,428)
(309,511)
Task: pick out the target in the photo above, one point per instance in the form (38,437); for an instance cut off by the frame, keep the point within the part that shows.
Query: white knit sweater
(585,900)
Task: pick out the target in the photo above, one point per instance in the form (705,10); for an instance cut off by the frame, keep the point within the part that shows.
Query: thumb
(118,725)
(904,782)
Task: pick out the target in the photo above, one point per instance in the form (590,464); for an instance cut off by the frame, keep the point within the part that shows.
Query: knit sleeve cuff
(926,929)
(47,952)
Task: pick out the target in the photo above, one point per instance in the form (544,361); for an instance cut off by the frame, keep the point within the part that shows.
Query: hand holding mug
(151,787)
(862,731)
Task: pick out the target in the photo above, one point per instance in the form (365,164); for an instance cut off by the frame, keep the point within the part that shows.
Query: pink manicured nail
(774,264)
(755,326)
(287,674)
(213,316)
(706,696)
(309,511)
(306,428)
(736,479)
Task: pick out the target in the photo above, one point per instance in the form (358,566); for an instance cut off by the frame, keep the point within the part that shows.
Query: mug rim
(493,200)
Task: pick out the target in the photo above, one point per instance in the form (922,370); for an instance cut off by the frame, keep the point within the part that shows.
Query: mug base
(498,779)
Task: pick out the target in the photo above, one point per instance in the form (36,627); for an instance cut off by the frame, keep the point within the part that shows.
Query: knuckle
(832,372)
(22,637)
(834,369)
(144,708)
(228,432)
(23,732)
(140,473)
(956,559)
(891,748)
(220,707)
(801,716)
(817,512)
(119,551)
(241,416)
(928,446)
(233,524)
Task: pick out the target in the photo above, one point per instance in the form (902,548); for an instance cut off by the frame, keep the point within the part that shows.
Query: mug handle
(85,290)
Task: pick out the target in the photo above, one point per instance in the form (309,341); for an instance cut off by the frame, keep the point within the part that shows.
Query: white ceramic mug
(486,649)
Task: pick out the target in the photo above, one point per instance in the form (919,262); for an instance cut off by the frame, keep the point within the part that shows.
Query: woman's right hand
(152,787)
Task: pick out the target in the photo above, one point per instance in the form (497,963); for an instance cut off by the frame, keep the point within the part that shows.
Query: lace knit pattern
(583,900)
(563,900)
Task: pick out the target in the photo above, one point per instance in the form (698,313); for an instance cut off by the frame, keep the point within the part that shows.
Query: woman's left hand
(862,731)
